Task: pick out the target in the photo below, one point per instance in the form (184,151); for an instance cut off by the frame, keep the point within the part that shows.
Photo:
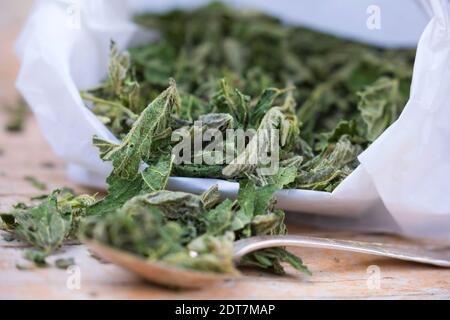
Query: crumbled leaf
(36,183)
(36,256)
(46,226)
(136,146)
(380,105)
(8,221)
(42,226)
(173,204)
(8,237)
(64,263)
(16,116)
(119,191)
(211,197)
(261,143)
(40,197)
(156,175)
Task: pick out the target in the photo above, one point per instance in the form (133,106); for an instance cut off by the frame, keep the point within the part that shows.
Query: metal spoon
(163,274)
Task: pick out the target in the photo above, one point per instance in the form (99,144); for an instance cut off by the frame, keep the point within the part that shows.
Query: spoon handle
(434,256)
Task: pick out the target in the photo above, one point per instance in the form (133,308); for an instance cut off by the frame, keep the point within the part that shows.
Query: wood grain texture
(336,274)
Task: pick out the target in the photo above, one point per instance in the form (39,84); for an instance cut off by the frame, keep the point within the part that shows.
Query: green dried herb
(43,226)
(380,105)
(144,229)
(194,231)
(36,183)
(64,263)
(328,98)
(178,222)
(49,224)
(336,87)
(16,116)
(338,97)
(38,257)
(152,125)
(8,237)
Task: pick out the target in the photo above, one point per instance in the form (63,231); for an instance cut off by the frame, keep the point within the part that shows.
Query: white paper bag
(403,182)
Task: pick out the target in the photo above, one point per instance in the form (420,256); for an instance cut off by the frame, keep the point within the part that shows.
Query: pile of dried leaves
(329,98)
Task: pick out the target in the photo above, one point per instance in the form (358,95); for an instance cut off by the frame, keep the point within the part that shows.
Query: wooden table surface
(336,274)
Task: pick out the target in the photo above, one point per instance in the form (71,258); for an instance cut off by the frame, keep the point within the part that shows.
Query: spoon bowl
(157,272)
(167,275)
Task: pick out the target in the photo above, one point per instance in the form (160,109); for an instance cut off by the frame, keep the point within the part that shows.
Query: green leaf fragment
(211,197)
(64,263)
(36,256)
(380,105)
(119,191)
(137,144)
(156,175)
(36,183)
(42,226)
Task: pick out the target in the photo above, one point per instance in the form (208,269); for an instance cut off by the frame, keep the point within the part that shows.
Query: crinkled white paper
(403,182)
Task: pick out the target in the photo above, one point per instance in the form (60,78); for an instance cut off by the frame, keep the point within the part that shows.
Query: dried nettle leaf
(275,127)
(257,217)
(340,97)
(119,191)
(157,174)
(136,146)
(47,225)
(43,226)
(380,105)
(157,226)
(64,263)
(16,116)
(36,183)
